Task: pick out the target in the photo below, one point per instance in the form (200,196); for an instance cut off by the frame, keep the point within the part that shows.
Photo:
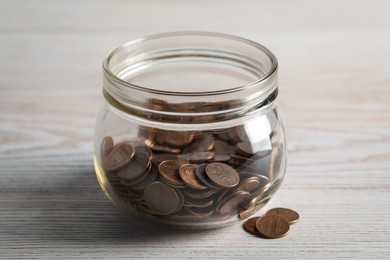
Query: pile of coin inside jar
(190,177)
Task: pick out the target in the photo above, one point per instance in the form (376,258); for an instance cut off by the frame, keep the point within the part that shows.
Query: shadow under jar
(190,133)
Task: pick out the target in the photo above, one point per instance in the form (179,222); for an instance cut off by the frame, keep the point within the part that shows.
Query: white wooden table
(334,91)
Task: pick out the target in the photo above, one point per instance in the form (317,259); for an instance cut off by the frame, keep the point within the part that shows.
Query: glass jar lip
(265,77)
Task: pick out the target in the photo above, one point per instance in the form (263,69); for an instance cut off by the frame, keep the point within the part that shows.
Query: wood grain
(334,93)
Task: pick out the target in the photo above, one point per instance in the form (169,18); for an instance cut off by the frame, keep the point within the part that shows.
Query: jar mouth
(107,66)
(189,74)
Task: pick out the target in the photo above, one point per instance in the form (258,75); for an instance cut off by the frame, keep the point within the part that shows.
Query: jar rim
(231,76)
(109,73)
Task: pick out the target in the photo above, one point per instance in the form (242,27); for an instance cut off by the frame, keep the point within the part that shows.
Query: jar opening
(189,72)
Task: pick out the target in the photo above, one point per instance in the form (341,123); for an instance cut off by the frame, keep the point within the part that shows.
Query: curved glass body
(190,133)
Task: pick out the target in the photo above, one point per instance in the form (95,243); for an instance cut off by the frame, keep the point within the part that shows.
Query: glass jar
(190,133)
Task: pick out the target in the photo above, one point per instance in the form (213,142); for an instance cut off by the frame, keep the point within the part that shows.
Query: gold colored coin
(272,226)
(250,225)
(289,214)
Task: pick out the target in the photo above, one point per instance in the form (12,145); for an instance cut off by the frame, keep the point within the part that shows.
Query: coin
(222,175)
(159,158)
(200,143)
(198,194)
(120,155)
(180,203)
(237,160)
(160,198)
(272,226)
(149,178)
(231,203)
(238,134)
(177,139)
(143,149)
(106,146)
(201,212)
(244,213)
(197,157)
(289,214)
(245,149)
(223,148)
(136,167)
(161,148)
(221,158)
(198,203)
(276,162)
(187,175)
(250,184)
(169,172)
(201,175)
(250,225)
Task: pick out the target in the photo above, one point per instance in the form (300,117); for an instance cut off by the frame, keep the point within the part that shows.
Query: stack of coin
(274,224)
(189,176)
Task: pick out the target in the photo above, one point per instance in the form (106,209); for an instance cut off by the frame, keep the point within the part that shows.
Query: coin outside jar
(190,132)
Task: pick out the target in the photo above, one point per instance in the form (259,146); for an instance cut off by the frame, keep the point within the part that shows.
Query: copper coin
(201,212)
(233,202)
(222,147)
(177,139)
(222,175)
(161,148)
(198,203)
(250,225)
(238,134)
(120,155)
(248,209)
(250,184)
(198,194)
(245,149)
(200,143)
(272,226)
(106,146)
(137,166)
(201,175)
(197,157)
(149,178)
(159,158)
(187,174)
(180,204)
(221,158)
(160,198)
(277,158)
(237,160)
(289,214)
(244,213)
(169,171)
(143,149)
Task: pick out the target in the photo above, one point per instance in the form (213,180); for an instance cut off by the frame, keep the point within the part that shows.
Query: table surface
(334,61)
